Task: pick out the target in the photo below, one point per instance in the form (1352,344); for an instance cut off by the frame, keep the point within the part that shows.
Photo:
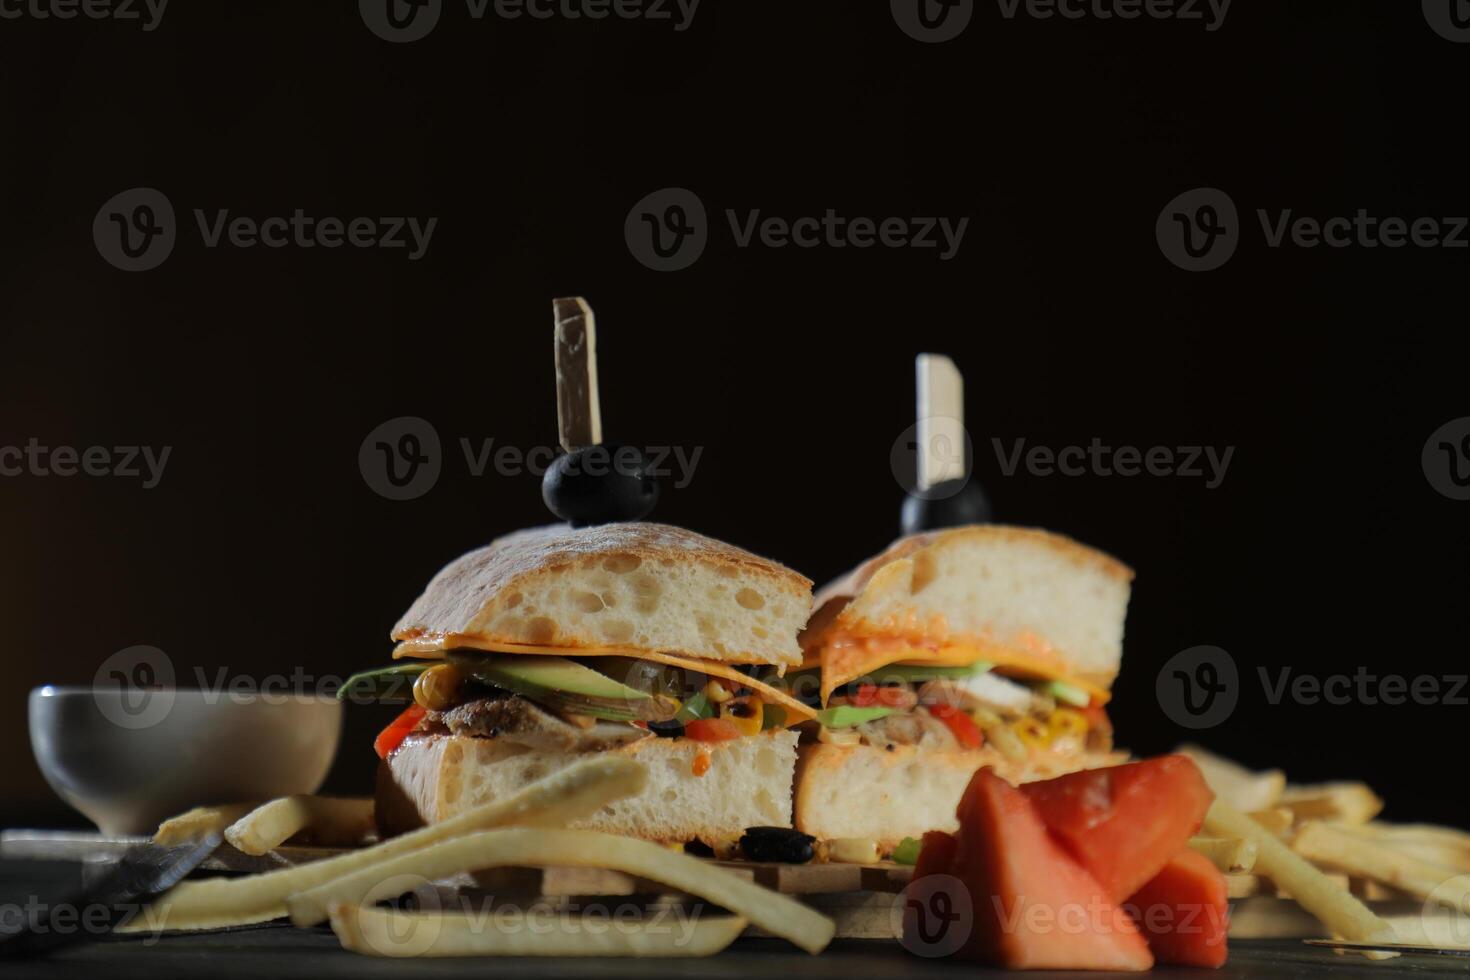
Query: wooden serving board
(860,898)
(790,879)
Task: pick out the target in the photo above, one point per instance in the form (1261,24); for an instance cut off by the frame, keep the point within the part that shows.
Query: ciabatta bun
(881,795)
(1029,590)
(748,784)
(636,585)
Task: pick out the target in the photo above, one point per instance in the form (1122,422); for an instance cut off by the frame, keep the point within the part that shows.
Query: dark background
(263,548)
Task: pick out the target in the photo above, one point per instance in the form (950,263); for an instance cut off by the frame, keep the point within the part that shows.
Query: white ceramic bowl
(130,759)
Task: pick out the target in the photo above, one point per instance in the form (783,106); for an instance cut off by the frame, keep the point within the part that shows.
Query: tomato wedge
(392,736)
(711,730)
(966,732)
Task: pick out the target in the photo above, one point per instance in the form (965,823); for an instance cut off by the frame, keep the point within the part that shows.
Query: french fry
(1238,786)
(1232,855)
(330,820)
(1441,851)
(380,932)
(1352,803)
(199,822)
(1427,833)
(1338,910)
(1329,845)
(1277,819)
(570,794)
(526,847)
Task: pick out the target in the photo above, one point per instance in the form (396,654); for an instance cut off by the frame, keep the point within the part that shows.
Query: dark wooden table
(278,952)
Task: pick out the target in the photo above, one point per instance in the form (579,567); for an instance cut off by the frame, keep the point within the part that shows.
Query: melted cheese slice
(434,648)
(843,663)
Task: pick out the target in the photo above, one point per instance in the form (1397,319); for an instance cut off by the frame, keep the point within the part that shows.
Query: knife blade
(118,889)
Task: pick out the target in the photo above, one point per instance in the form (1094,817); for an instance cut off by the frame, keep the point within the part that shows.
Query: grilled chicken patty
(524,722)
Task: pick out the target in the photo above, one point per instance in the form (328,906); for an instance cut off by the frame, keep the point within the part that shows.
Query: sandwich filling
(586,704)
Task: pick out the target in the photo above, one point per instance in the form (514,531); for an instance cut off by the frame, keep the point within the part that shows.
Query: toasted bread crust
(1031,591)
(477,594)
(855,581)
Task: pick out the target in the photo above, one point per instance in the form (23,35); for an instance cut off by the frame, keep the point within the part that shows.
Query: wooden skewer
(578,412)
(941,429)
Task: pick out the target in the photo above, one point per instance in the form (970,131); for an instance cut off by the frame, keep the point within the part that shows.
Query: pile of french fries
(524,830)
(1321,846)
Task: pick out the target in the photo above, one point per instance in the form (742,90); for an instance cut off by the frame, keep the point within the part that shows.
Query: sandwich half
(976,646)
(555,643)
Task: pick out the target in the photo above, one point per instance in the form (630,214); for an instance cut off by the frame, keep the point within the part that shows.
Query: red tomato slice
(966,732)
(711,730)
(392,736)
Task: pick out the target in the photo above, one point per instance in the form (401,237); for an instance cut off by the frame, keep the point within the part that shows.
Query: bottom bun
(747,784)
(887,795)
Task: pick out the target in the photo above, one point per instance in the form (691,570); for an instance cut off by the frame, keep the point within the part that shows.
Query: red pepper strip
(711,730)
(392,736)
(874,695)
(966,732)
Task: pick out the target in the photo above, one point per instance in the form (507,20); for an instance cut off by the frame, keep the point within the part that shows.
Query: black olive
(699,849)
(600,485)
(777,844)
(949,504)
(666,729)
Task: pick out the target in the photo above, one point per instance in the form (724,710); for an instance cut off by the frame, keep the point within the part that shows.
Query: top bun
(645,587)
(1028,590)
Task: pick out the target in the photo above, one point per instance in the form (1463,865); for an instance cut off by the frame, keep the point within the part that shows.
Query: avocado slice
(847,715)
(568,687)
(1069,694)
(389,685)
